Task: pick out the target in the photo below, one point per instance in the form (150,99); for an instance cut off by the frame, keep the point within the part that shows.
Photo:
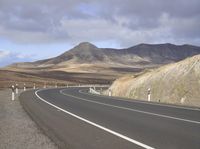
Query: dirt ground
(17,130)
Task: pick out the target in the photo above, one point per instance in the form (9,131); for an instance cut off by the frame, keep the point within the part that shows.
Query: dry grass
(8,78)
(64,74)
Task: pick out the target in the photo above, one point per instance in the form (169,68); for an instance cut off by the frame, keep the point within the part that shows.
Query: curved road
(75,119)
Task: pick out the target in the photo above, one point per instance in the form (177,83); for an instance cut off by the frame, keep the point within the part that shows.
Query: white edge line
(96,125)
(144,102)
(139,111)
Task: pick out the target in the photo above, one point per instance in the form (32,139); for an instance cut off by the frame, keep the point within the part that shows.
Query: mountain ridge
(86,63)
(145,53)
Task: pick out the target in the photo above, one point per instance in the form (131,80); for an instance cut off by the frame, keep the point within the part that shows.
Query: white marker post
(24,86)
(109,92)
(149,94)
(16,89)
(90,90)
(13,92)
(34,86)
(183,100)
(101,90)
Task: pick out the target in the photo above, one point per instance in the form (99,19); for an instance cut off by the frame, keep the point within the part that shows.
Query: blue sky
(34,29)
(36,51)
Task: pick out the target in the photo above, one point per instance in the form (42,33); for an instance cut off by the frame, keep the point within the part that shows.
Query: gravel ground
(17,130)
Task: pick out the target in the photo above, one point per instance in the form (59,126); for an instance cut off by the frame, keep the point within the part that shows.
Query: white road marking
(96,125)
(139,111)
(143,102)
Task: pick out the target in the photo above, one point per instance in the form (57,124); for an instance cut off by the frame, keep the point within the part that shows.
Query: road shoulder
(17,129)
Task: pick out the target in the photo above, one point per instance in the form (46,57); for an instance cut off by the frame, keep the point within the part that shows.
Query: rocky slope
(177,83)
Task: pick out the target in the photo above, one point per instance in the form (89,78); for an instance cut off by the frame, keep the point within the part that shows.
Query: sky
(37,29)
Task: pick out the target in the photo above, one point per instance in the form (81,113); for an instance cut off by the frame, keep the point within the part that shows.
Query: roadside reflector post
(109,92)
(34,86)
(101,91)
(149,94)
(16,89)
(13,92)
(90,90)
(56,86)
(183,100)
(24,86)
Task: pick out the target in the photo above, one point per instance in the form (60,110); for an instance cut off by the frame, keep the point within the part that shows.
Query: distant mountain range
(86,63)
(141,55)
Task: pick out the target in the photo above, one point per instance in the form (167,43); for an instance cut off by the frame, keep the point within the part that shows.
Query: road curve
(75,119)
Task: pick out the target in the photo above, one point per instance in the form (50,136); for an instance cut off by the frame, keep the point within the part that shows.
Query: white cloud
(7,57)
(4,54)
(125,22)
(104,30)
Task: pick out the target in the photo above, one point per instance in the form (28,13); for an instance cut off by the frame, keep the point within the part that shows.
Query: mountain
(142,55)
(177,83)
(86,63)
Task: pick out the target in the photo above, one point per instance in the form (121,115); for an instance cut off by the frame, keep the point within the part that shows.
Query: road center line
(96,125)
(124,108)
(143,102)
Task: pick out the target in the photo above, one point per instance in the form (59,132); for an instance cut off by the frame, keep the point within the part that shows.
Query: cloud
(124,22)
(4,54)
(7,57)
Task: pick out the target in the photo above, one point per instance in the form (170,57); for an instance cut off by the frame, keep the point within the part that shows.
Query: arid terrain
(99,74)
(8,78)
(88,64)
(177,83)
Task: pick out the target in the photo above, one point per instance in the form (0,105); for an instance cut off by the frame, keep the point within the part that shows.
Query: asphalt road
(75,119)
